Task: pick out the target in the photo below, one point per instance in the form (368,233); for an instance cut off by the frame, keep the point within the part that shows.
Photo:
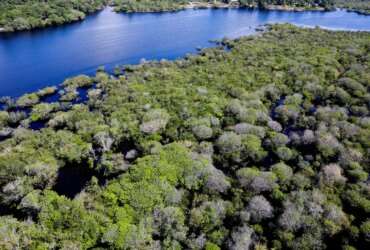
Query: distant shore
(231,5)
(214,5)
(200,5)
(293,8)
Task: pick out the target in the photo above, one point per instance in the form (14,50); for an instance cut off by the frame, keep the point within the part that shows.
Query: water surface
(32,60)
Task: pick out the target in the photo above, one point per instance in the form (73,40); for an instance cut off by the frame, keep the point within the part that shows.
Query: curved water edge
(33,60)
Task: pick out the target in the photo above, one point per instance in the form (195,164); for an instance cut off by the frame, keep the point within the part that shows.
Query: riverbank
(294,8)
(79,18)
(236,4)
(32,14)
(207,5)
(218,5)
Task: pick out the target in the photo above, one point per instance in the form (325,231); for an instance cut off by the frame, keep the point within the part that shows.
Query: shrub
(209,215)
(154,120)
(28,100)
(110,164)
(68,95)
(42,111)
(6,132)
(78,82)
(216,181)
(255,180)
(328,144)
(245,128)
(365,229)
(30,204)
(352,85)
(358,175)
(259,208)
(241,238)
(202,132)
(229,143)
(284,153)
(169,223)
(4,118)
(46,91)
(241,113)
(252,147)
(104,141)
(283,172)
(14,191)
(234,107)
(131,154)
(60,119)
(308,137)
(248,115)
(294,138)
(286,113)
(16,117)
(332,173)
(279,140)
(336,215)
(331,114)
(205,148)
(211,246)
(274,125)
(295,99)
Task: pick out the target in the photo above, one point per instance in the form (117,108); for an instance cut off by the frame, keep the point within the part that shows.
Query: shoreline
(233,5)
(294,8)
(194,6)
(257,32)
(5,31)
(80,19)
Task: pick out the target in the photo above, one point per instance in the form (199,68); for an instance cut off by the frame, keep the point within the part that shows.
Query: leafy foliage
(29,14)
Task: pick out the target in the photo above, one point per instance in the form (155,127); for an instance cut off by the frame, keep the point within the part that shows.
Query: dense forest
(28,14)
(150,5)
(171,5)
(259,143)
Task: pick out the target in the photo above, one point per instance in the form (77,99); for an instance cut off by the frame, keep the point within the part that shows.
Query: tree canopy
(29,14)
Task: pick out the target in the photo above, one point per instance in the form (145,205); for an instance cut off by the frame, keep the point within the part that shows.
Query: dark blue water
(32,60)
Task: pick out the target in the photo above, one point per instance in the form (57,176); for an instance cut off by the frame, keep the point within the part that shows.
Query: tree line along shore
(17,15)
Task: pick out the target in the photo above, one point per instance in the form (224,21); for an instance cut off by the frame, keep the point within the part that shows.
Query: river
(36,59)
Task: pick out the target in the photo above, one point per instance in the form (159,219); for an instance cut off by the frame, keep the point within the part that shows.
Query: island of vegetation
(259,143)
